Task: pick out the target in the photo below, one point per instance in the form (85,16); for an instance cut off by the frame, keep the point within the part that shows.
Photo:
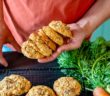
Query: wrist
(85,25)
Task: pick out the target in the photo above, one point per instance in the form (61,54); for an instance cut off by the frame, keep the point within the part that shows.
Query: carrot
(100,92)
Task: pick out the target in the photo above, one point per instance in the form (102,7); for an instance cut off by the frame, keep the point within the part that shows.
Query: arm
(84,27)
(99,12)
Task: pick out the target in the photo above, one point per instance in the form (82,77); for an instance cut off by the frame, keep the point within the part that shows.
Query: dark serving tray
(38,74)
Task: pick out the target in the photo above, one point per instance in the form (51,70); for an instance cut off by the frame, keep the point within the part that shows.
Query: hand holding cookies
(74,42)
(46,44)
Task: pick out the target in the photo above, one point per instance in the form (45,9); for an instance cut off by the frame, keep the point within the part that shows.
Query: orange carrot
(100,92)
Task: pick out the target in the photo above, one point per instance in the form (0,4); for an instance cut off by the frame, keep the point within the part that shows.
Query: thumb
(2,59)
(83,23)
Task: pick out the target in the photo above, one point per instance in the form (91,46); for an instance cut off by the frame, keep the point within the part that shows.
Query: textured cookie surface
(30,50)
(61,28)
(54,36)
(43,48)
(67,86)
(40,90)
(14,85)
(47,41)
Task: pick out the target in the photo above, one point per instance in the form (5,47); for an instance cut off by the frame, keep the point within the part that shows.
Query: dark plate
(38,74)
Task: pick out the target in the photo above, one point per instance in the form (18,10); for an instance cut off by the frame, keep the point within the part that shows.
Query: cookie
(54,36)
(43,48)
(61,28)
(40,90)
(47,41)
(14,85)
(67,86)
(30,50)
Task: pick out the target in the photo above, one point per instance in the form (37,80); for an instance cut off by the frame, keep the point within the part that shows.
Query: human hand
(6,37)
(75,42)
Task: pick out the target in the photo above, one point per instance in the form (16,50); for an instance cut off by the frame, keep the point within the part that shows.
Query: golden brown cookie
(14,85)
(43,48)
(47,41)
(30,50)
(3,93)
(40,90)
(54,36)
(61,28)
(67,86)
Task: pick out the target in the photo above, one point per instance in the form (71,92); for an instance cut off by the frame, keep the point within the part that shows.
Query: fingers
(2,59)
(74,43)
(65,47)
(73,26)
(57,53)
(49,59)
(68,47)
(82,24)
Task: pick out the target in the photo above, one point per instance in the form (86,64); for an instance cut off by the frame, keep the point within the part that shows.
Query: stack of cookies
(45,41)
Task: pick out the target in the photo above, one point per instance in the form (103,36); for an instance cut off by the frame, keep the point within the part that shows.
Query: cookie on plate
(30,50)
(54,36)
(14,85)
(61,28)
(40,90)
(67,86)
